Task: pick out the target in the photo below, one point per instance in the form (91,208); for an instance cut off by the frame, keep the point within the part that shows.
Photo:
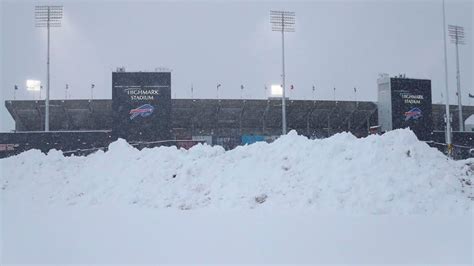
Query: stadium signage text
(412,99)
(140,94)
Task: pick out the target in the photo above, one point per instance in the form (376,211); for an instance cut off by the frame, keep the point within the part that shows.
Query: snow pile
(390,174)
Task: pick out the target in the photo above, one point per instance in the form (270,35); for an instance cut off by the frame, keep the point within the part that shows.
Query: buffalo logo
(143,111)
(414,114)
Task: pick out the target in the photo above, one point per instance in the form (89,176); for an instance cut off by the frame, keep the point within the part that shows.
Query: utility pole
(457,37)
(283,21)
(48,16)
(448,116)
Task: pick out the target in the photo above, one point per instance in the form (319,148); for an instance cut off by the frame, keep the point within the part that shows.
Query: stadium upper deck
(218,117)
(206,116)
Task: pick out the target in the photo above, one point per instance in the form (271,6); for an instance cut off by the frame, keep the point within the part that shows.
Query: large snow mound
(390,174)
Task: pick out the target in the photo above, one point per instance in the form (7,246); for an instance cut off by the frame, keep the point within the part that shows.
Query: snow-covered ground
(380,199)
(136,235)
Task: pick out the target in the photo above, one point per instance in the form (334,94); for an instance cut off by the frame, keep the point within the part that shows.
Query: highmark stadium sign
(411,105)
(142,105)
(409,98)
(143,93)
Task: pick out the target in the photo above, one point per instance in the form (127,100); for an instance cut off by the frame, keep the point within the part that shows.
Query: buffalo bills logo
(143,111)
(414,114)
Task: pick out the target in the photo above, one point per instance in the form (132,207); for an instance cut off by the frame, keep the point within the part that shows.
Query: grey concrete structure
(202,117)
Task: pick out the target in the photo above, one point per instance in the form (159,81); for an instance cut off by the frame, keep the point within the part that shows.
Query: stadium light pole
(448,116)
(457,37)
(283,21)
(355,96)
(92,91)
(48,16)
(217,90)
(15,88)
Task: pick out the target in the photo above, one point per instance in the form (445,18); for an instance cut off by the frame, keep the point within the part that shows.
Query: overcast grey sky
(342,44)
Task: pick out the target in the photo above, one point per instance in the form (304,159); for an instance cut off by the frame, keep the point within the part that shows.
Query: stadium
(125,140)
(88,125)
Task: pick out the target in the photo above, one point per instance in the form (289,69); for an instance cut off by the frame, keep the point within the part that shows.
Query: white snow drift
(393,174)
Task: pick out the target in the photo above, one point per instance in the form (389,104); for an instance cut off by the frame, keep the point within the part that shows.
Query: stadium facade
(142,112)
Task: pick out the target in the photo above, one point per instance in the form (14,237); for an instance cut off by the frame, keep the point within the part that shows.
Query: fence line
(133,144)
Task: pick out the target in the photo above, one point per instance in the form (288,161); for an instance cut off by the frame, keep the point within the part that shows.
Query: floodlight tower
(457,37)
(48,16)
(448,116)
(283,21)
